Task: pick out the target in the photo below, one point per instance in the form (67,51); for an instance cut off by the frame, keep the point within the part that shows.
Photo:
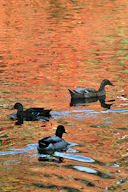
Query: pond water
(46,48)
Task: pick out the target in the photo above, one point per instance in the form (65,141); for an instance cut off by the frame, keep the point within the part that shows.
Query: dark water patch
(123,141)
(112,188)
(4,136)
(108,164)
(58,176)
(42,186)
(123,128)
(1,141)
(71,189)
(123,161)
(2,71)
(46,175)
(88,183)
(90,171)
(98,126)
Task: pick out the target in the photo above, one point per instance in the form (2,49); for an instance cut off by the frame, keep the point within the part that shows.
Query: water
(46,48)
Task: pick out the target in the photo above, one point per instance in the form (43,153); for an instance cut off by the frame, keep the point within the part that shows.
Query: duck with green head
(48,145)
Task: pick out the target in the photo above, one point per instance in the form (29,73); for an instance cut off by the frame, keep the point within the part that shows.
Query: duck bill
(112,84)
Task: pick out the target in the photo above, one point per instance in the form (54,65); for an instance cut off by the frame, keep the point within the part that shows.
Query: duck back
(55,143)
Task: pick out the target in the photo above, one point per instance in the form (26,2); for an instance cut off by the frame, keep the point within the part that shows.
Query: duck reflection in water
(50,158)
(84,102)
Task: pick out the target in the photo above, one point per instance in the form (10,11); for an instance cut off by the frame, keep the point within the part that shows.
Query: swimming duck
(89,92)
(30,114)
(48,145)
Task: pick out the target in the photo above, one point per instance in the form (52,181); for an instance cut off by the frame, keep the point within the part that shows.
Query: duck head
(107,82)
(18,106)
(60,130)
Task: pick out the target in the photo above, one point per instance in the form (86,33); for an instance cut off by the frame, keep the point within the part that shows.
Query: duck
(83,93)
(50,144)
(30,114)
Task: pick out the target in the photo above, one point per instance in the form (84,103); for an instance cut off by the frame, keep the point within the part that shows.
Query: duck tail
(71,91)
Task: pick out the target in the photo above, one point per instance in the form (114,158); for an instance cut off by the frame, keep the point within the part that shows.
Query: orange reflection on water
(46,48)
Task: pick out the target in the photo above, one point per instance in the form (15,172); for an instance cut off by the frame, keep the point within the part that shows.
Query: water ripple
(75,157)
(84,113)
(85,169)
(14,151)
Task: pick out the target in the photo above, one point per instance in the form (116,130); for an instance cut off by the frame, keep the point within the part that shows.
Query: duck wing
(39,111)
(46,141)
(36,109)
(45,112)
(85,90)
(29,115)
(48,145)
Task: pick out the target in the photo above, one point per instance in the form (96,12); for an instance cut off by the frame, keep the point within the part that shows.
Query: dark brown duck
(30,114)
(81,93)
